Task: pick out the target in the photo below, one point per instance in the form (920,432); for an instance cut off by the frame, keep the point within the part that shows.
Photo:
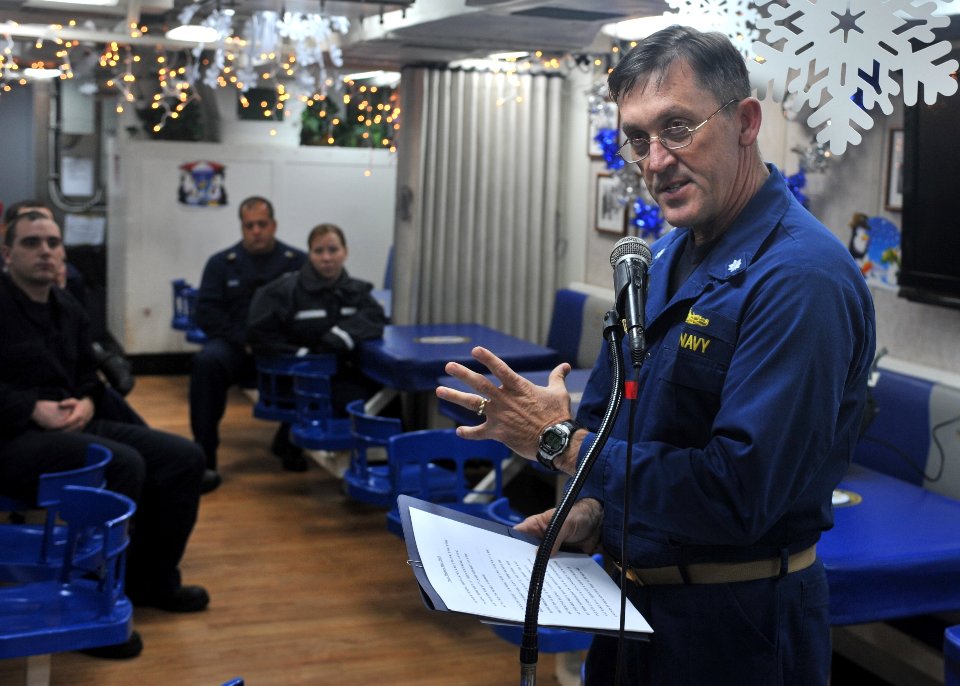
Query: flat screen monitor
(930,240)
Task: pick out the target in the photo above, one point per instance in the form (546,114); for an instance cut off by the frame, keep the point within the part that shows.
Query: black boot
(130,648)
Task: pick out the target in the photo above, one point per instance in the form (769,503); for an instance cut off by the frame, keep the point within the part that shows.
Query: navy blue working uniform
(229,281)
(302,313)
(749,406)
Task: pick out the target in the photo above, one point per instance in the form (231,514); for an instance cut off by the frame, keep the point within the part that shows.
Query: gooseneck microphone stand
(613,334)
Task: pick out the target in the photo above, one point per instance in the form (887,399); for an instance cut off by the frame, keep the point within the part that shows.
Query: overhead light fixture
(508,56)
(378,77)
(635,29)
(40,73)
(98,3)
(194,34)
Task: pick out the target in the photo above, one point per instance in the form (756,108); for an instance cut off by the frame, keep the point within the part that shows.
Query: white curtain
(477,201)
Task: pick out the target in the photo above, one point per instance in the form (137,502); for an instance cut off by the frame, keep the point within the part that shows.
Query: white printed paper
(480,572)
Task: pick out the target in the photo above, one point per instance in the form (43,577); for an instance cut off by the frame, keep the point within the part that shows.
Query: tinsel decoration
(628,184)
(598,102)
(813,159)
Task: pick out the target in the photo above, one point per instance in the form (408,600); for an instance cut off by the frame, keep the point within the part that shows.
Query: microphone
(630,260)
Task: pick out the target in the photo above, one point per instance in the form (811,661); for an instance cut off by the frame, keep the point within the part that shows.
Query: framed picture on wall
(609,215)
(608,118)
(894,197)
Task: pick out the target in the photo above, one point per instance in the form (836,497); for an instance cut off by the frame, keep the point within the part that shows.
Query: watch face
(553,441)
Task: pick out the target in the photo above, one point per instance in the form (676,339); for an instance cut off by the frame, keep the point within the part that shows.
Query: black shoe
(132,647)
(281,445)
(182,599)
(210,482)
(294,460)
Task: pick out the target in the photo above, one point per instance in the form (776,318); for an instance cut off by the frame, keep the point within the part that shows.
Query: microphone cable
(630,393)
(612,333)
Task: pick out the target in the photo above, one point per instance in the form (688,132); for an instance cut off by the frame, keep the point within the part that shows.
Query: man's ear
(750,115)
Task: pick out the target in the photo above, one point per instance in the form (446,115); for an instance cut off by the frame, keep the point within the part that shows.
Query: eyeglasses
(673,138)
(34,242)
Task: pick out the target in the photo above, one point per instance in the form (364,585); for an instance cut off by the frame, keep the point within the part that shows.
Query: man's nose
(660,157)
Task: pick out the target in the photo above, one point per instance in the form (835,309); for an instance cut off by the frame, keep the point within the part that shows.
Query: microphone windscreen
(631,245)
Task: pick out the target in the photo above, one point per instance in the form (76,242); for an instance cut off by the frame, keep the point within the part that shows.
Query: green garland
(368,112)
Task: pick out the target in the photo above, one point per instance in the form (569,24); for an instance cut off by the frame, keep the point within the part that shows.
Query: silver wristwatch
(553,441)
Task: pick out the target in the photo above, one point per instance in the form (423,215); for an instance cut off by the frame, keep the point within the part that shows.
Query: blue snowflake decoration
(796,183)
(646,219)
(608,141)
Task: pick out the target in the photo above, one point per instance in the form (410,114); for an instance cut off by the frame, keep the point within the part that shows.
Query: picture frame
(609,216)
(608,118)
(893,198)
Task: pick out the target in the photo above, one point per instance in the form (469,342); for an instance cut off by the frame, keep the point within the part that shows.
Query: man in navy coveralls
(760,333)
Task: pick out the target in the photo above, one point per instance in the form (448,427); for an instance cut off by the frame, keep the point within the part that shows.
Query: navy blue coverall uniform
(302,313)
(229,281)
(46,354)
(750,401)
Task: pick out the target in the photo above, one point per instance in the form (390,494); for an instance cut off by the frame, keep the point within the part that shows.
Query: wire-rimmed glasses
(673,138)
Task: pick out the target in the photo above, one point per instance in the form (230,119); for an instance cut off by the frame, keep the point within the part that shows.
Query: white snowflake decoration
(308,37)
(733,18)
(824,51)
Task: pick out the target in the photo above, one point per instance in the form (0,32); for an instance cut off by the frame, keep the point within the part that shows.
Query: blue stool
(315,427)
(184,307)
(35,552)
(433,465)
(365,482)
(84,606)
(276,401)
(951,656)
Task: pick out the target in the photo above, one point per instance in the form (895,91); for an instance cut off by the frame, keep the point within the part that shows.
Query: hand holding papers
(470,565)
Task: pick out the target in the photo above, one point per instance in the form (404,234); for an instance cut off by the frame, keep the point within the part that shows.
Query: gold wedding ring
(481,407)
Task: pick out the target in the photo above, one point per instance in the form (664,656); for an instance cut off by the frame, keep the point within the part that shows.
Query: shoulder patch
(231,256)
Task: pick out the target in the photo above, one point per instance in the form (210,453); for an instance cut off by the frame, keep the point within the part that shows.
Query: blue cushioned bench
(894,550)
(576,326)
(893,556)
(900,440)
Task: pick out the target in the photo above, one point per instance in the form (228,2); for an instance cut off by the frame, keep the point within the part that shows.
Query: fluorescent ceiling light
(635,29)
(507,56)
(98,3)
(37,73)
(377,77)
(194,34)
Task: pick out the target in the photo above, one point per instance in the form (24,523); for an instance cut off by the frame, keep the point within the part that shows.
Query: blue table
(412,357)
(894,550)
(576,382)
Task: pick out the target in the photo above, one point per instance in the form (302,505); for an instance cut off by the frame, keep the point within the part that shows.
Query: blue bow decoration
(607,139)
